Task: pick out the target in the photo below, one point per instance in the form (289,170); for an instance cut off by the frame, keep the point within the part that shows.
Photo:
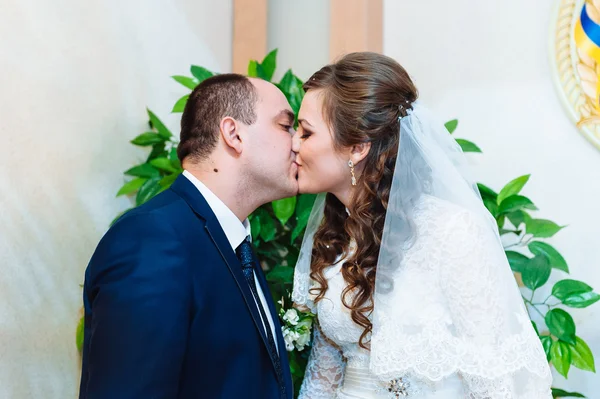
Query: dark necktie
(248,260)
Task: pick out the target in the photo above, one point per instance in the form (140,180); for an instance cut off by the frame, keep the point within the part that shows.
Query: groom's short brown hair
(212,100)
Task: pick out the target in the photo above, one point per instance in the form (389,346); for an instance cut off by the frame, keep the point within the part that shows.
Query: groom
(176,304)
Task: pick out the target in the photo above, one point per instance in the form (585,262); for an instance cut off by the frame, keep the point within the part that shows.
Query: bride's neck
(344,196)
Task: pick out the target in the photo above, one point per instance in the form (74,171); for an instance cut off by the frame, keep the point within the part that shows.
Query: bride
(401,262)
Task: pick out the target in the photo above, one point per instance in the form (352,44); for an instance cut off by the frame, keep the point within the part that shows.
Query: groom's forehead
(269,95)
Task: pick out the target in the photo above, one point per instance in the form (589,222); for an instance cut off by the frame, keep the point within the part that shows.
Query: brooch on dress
(398,387)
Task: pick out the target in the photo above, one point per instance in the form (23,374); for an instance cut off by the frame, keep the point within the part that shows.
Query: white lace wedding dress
(446,332)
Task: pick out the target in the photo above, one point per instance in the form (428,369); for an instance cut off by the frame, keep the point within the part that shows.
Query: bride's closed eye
(305,134)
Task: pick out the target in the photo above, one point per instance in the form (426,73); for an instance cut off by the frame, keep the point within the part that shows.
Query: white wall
(487,64)
(300,32)
(75,78)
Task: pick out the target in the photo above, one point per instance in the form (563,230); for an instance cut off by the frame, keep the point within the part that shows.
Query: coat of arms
(576,61)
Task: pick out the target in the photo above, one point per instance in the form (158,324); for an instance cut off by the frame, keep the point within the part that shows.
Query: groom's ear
(230,129)
(358,152)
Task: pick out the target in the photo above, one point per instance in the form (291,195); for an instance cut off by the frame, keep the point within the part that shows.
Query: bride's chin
(304,188)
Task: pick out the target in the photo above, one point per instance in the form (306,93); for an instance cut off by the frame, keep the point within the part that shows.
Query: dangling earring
(351,165)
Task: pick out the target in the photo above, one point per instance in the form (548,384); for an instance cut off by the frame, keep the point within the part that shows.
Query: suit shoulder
(166,207)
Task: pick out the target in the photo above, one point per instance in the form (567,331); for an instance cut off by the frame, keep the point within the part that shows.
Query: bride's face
(321,168)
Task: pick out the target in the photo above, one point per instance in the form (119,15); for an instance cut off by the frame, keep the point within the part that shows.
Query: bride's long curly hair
(364,94)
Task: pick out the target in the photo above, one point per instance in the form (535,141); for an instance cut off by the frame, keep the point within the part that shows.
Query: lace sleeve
(501,356)
(325,370)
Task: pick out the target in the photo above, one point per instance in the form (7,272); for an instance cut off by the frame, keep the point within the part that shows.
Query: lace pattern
(325,370)
(455,313)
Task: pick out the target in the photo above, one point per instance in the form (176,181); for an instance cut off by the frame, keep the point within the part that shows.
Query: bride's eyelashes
(305,134)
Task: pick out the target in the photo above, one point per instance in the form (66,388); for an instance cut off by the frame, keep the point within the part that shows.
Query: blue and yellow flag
(587,38)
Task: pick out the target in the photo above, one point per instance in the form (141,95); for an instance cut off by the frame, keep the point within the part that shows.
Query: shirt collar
(235,230)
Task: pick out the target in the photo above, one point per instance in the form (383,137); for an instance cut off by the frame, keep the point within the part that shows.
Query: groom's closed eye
(285,119)
(285,127)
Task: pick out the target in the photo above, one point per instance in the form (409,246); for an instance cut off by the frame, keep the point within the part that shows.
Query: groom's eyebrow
(286,113)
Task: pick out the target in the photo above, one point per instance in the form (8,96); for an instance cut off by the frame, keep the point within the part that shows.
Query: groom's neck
(227,184)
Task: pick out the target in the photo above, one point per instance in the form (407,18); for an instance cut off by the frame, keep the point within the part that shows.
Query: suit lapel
(278,333)
(186,190)
(231,260)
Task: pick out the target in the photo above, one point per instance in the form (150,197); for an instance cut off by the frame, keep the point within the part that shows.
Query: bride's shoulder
(429,206)
(441,215)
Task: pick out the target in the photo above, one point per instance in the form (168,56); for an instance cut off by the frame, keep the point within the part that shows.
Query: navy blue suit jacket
(168,313)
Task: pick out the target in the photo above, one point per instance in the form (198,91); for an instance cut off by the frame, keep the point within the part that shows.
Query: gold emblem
(576,63)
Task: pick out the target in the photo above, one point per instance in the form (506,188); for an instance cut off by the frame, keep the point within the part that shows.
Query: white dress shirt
(236,232)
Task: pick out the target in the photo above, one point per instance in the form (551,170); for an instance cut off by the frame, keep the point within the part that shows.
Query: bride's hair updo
(364,95)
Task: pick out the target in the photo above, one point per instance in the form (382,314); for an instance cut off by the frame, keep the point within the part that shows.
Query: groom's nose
(296,142)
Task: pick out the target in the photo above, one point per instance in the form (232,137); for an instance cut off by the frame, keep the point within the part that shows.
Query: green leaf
(159,126)
(536,272)
(560,355)
(298,229)
(518,262)
(535,327)
(561,325)
(281,274)
(513,188)
(564,289)
(148,190)
(547,345)
(547,250)
(200,73)
(284,209)
(486,191)
(451,125)
(80,334)
(147,139)
(582,300)
(163,164)
(468,146)
(491,206)
(518,217)
(291,86)
(581,356)
(303,209)
(515,203)
(254,220)
(269,64)
(173,155)
(180,104)
(292,256)
(305,204)
(132,186)
(508,231)
(559,393)
(143,170)
(267,227)
(166,181)
(158,150)
(253,69)
(543,228)
(574,293)
(188,82)
(500,220)
(175,162)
